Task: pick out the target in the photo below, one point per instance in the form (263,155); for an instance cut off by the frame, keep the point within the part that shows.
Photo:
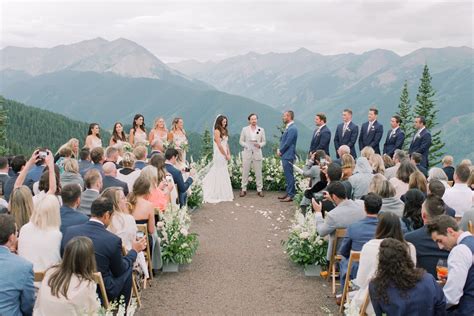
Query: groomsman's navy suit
(321,140)
(288,156)
(421,144)
(393,142)
(116,269)
(372,137)
(349,138)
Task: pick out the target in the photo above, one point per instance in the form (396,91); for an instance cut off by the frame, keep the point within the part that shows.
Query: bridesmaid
(159,134)
(118,135)
(177,135)
(138,132)
(93,137)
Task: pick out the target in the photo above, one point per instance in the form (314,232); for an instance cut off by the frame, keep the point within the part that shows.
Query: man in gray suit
(93,184)
(345,213)
(252,139)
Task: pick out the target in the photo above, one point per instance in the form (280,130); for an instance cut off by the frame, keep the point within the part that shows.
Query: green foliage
(207,146)
(426,107)
(196,198)
(404,111)
(3,128)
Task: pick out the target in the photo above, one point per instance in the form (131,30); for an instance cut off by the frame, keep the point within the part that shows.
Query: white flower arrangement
(118,308)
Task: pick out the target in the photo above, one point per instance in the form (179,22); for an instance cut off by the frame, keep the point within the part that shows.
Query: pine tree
(207,146)
(3,128)
(426,107)
(404,111)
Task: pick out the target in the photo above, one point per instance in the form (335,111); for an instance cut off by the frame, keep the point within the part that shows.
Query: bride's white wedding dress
(216,185)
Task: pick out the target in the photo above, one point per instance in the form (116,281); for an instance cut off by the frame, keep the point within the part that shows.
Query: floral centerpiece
(304,246)
(178,244)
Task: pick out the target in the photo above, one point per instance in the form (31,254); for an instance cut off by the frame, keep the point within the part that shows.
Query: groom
(287,152)
(252,139)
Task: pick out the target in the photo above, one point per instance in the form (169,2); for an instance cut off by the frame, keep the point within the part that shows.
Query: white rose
(184,232)
(304,235)
(320,242)
(160,225)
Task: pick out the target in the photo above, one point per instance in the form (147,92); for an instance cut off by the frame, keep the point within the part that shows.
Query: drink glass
(442,269)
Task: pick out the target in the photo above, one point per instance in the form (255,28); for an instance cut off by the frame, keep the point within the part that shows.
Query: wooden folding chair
(339,234)
(135,292)
(39,276)
(144,229)
(470,227)
(450,183)
(354,257)
(363,309)
(103,292)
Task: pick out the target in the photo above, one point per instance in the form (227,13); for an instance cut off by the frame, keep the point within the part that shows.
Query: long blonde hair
(151,173)
(113,194)
(174,125)
(155,124)
(21,205)
(70,145)
(46,214)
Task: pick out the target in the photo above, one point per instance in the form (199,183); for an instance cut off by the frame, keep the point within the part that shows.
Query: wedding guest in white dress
(216,185)
(177,136)
(252,139)
(158,135)
(69,288)
(137,134)
(93,137)
(118,135)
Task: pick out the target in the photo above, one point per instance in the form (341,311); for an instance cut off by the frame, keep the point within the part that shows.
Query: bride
(216,185)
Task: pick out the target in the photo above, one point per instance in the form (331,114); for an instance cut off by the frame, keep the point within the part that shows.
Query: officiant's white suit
(252,155)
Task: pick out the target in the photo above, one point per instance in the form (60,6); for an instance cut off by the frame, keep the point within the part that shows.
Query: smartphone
(140,235)
(187,169)
(323,162)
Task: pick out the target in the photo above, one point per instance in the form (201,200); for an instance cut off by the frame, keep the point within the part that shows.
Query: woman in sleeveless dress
(159,134)
(93,137)
(177,136)
(118,135)
(138,133)
(216,185)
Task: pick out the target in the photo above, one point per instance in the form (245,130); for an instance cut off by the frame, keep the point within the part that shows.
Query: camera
(323,162)
(140,235)
(42,154)
(318,197)
(187,169)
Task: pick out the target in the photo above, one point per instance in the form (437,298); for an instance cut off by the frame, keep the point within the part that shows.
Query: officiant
(252,139)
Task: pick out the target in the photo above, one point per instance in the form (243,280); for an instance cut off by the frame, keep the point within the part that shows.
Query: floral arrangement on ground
(178,244)
(304,246)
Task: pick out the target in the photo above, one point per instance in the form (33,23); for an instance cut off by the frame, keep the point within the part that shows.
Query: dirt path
(240,267)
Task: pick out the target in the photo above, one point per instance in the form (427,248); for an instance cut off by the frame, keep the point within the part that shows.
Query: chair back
(144,229)
(354,257)
(470,227)
(363,308)
(103,292)
(39,276)
(339,234)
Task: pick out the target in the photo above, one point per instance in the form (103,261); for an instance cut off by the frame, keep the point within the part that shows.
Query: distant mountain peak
(304,51)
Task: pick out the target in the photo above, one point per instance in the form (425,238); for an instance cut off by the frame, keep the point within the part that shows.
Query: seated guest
(40,239)
(85,161)
(142,210)
(348,166)
(459,287)
(156,147)
(387,162)
(128,173)
(343,215)
(417,181)
(400,181)
(359,233)
(416,159)
(383,188)
(98,159)
(112,154)
(171,155)
(367,152)
(49,183)
(4,168)
(36,169)
(399,288)
(436,173)
(466,218)
(21,205)
(140,153)
(69,287)
(159,191)
(437,188)
(110,178)
(389,226)
(427,252)
(448,168)
(18,164)
(17,296)
(116,269)
(460,195)
(414,199)
(377,164)
(93,183)
(341,151)
(71,173)
(398,156)
(313,171)
(71,196)
(361,178)
(63,154)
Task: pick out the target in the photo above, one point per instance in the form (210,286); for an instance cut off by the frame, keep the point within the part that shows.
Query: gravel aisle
(240,267)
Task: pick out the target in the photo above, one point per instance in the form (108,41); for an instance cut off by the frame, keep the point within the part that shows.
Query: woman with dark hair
(414,199)
(93,137)
(389,226)
(400,182)
(399,288)
(216,185)
(137,134)
(118,135)
(69,287)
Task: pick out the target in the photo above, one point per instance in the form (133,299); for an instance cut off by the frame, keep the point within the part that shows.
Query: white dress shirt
(460,261)
(459,197)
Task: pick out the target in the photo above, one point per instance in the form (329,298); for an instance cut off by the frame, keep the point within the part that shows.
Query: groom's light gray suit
(251,155)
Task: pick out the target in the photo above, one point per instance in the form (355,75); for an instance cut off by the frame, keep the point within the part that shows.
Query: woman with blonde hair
(21,205)
(418,181)
(128,173)
(159,134)
(382,187)
(69,287)
(73,145)
(71,173)
(177,136)
(40,239)
(159,193)
(377,164)
(348,166)
(367,152)
(436,173)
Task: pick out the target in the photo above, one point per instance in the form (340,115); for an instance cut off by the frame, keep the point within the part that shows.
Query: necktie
(344,129)
(392,133)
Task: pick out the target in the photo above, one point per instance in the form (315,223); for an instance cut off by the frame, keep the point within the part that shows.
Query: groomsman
(346,133)
(252,139)
(395,138)
(371,132)
(421,142)
(287,152)
(321,136)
